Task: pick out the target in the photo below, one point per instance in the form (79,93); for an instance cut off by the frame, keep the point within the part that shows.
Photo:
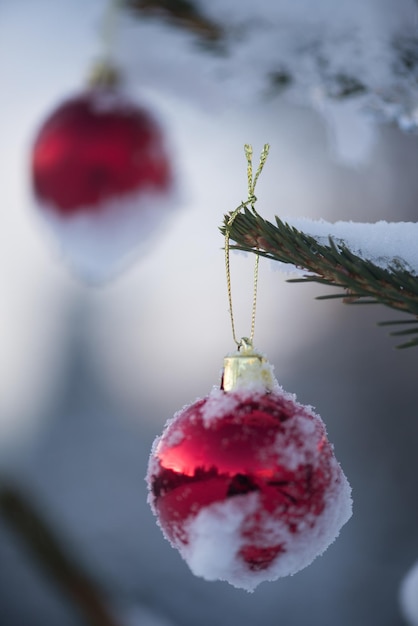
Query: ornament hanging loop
(104,72)
(245,342)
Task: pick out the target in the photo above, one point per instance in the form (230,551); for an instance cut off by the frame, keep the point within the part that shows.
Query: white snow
(215,539)
(408,596)
(384,243)
(219,404)
(99,245)
(174,438)
(293,449)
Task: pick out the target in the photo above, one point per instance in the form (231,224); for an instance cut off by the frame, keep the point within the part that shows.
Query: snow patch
(294,450)
(215,538)
(386,244)
(98,244)
(218,404)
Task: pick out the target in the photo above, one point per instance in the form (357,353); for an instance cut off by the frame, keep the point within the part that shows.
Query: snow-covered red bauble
(244,482)
(102,177)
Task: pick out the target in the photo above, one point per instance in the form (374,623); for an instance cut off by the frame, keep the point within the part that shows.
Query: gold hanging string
(104,72)
(109,27)
(250,202)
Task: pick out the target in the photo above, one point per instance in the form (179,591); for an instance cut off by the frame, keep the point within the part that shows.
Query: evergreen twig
(52,555)
(333,264)
(182,13)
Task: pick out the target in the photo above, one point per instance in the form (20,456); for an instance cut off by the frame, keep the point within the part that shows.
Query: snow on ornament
(244,482)
(101,176)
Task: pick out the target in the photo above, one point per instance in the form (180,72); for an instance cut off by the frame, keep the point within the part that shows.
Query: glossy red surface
(95,147)
(244,451)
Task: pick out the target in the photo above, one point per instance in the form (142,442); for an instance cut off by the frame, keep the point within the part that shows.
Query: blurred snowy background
(89,376)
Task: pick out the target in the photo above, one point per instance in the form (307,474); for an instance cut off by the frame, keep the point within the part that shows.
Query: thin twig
(51,555)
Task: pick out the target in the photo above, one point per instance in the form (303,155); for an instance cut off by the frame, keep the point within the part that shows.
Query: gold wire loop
(245,342)
(109,28)
(105,72)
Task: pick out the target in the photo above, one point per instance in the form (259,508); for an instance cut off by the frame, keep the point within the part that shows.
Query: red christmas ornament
(101,175)
(244,482)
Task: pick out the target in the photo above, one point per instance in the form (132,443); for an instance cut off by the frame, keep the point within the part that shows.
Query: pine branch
(52,556)
(182,13)
(363,282)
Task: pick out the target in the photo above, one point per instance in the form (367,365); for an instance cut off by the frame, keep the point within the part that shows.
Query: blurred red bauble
(102,176)
(95,147)
(245,484)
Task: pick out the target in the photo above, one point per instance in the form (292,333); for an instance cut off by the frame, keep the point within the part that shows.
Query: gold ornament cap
(247,369)
(104,74)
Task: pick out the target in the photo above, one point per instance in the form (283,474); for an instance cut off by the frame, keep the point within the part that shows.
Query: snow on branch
(359,55)
(372,263)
